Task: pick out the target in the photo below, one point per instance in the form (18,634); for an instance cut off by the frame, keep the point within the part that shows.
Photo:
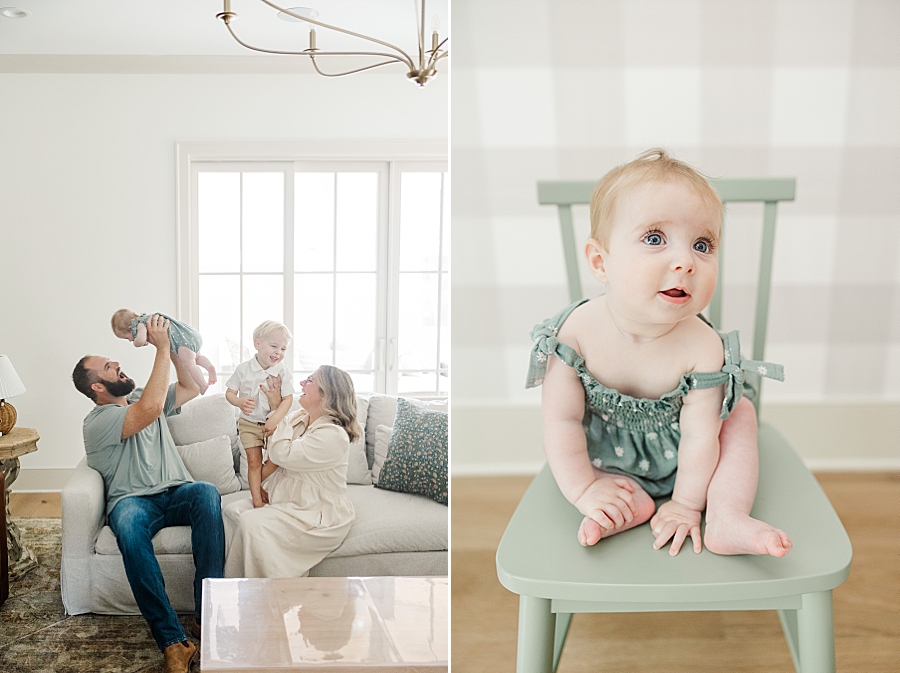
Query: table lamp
(10,386)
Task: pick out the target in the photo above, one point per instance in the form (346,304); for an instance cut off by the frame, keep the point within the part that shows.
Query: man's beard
(119,388)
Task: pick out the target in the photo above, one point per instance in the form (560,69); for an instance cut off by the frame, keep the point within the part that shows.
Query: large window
(353,256)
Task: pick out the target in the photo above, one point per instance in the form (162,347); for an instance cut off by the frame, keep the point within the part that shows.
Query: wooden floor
(866,606)
(484,614)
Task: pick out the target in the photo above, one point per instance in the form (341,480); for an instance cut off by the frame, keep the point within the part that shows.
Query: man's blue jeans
(137,518)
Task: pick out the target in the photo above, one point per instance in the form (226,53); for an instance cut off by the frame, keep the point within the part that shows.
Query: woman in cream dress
(308,513)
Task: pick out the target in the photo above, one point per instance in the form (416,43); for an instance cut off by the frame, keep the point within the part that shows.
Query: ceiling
(189,28)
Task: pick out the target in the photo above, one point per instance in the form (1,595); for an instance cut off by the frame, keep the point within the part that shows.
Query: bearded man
(147,486)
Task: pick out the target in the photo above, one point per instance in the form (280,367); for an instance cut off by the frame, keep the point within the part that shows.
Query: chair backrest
(566,193)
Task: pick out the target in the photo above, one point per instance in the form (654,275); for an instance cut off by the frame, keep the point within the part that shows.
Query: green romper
(639,437)
(180,334)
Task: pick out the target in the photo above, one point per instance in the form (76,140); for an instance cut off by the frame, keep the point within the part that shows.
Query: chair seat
(539,554)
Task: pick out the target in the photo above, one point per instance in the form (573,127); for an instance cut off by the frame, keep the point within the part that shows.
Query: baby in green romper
(636,383)
(184,342)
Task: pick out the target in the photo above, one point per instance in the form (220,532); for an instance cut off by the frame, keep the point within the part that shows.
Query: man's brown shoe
(180,656)
(195,628)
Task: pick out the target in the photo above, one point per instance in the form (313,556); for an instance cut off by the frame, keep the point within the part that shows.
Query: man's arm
(147,409)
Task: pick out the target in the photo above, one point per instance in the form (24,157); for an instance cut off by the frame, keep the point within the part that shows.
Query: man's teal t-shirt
(143,464)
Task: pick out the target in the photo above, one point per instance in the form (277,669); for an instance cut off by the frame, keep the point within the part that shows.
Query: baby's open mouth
(674,292)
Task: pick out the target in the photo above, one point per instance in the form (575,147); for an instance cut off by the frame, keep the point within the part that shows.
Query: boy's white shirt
(246,381)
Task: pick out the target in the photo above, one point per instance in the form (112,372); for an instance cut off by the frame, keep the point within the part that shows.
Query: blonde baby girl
(637,384)
(184,340)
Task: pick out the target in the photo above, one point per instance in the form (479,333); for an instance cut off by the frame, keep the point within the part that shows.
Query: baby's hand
(609,501)
(676,521)
(247,405)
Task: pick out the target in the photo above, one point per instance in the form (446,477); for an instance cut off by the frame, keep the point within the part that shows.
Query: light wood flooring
(866,606)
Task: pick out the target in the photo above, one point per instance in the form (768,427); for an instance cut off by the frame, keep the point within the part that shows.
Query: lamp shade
(10,383)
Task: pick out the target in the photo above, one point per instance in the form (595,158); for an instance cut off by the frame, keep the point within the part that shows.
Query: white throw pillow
(382,444)
(203,418)
(211,461)
(358,466)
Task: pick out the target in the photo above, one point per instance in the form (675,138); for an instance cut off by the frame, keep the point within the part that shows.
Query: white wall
(87,207)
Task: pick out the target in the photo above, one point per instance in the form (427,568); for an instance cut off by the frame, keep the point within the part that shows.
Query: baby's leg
(189,360)
(729,527)
(590,532)
(254,472)
(204,362)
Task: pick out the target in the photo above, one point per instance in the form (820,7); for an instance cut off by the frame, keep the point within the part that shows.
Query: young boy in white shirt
(245,391)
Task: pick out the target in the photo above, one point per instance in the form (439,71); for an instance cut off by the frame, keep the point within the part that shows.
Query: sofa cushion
(393,522)
(417,456)
(382,444)
(385,522)
(203,418)
(358,467)
(211,460)
(383,409)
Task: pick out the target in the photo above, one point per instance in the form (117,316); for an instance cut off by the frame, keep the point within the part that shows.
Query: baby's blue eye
(701,246)
(653,239)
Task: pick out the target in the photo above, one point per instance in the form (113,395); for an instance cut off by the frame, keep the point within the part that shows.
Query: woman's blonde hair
(339,398)
(654,165)
(121,322)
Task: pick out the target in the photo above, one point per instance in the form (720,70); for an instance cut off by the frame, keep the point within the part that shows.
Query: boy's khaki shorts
(250,434)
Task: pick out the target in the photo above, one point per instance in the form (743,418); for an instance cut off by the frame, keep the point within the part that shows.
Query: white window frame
(400,156)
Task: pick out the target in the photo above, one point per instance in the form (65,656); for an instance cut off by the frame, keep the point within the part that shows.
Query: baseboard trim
(38,480)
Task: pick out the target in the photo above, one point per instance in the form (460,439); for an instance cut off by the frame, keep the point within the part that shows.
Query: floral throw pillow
(417,455)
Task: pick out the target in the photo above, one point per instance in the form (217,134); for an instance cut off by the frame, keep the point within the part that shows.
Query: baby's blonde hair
(267,327)
(654,165)
(121,322)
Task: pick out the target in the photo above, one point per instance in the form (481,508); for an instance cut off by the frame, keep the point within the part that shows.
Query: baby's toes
(590,532)
(778,543)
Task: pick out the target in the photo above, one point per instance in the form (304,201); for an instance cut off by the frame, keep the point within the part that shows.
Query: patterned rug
(36,635)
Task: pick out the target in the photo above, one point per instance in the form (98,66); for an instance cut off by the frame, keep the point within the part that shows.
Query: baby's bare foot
(737,533)
(590,532)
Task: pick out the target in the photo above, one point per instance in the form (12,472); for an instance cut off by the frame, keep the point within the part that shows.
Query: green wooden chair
(540,559)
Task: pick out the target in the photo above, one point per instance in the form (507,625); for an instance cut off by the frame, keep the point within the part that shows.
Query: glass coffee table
(345,624)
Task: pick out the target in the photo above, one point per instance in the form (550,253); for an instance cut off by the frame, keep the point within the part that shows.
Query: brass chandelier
(420,69)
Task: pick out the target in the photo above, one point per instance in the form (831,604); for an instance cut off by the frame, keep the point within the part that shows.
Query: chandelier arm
(406,57)
(421,26)
(394,58)
(350,72)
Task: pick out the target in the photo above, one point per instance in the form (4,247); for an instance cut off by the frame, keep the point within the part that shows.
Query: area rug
(36,635)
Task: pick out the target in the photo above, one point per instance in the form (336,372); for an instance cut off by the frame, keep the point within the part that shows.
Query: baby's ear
(595,254)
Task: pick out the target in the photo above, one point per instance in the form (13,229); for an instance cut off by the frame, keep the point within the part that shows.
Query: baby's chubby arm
(141,338)
(698,455)
(609,502)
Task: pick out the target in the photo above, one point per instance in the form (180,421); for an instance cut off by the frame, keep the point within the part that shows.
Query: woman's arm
(322,447)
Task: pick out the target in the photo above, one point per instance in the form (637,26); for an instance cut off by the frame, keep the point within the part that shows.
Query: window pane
(262,213)
(445,244)
(420,221)
(220,324)
(417,382)
(263,300)
(313,320)
(418,325)
(219,221)
(363,384)
(357,221)
(314,221)
(444,354)
(355,323)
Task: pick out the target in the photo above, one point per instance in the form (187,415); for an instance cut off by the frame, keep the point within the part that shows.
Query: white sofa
(393,533)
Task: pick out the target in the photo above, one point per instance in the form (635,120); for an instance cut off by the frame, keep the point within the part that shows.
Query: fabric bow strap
(734,369)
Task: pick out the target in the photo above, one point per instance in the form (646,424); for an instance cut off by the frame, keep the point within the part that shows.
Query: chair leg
(563,619)
(537,625)
(815,634)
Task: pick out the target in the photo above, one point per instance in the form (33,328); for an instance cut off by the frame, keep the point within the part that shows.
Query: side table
(17,442)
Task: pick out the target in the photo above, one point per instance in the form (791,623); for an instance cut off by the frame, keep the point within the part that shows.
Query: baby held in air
(641,397)
(184,340)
